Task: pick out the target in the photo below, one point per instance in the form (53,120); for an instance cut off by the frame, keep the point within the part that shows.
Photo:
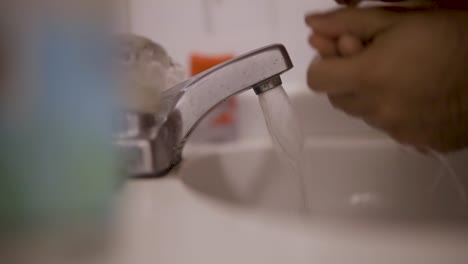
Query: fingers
(325,47)
(349,45)
(352,104)
(363,23)
(336,76)
(335,33)
(346,45)
(355,2)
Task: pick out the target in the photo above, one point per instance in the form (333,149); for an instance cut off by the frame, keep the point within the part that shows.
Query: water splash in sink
(452,176)
(286,135)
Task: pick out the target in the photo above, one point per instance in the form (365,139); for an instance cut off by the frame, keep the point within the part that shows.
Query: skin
(448,4)
(404,72)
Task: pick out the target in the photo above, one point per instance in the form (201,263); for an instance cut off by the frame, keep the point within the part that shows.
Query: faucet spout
(158,144)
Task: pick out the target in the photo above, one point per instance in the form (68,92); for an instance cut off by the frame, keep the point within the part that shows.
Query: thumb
(363,23)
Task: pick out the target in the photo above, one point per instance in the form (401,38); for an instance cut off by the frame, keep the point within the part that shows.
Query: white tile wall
(217,26)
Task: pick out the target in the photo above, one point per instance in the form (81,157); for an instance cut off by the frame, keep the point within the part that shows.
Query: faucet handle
(134,142)
(137,157)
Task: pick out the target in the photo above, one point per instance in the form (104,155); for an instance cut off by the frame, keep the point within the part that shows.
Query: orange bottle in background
(200,62)
(220,124)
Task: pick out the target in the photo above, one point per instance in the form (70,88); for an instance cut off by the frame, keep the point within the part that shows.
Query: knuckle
(386,117)
(389,114)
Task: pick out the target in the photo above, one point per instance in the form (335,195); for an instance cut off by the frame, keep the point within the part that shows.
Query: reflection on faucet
(157,146)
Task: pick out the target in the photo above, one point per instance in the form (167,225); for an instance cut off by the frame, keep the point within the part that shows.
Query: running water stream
(286,135)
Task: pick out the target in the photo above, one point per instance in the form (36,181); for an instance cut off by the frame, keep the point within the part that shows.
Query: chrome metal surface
(184,106)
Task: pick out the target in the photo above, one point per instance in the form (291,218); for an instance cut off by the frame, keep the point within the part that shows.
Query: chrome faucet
(153,144)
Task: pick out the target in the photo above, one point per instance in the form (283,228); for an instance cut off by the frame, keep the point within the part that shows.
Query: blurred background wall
(225,26)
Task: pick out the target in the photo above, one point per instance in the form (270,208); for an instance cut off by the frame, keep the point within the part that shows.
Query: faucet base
(156,141)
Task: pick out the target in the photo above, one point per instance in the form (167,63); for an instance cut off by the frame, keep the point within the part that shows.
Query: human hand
(449,4)
(402,72)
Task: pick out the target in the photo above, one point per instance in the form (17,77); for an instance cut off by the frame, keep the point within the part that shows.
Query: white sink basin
(369,178)
(369,202)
